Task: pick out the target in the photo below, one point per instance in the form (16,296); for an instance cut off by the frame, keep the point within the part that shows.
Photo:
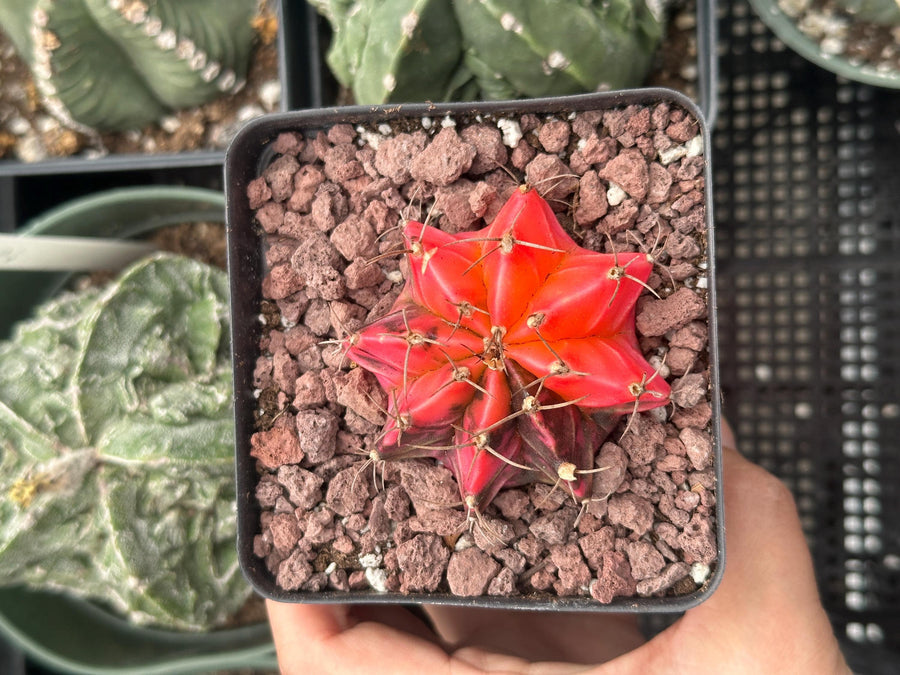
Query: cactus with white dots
(116,447)
(394,50)
(111,65)
(417,50)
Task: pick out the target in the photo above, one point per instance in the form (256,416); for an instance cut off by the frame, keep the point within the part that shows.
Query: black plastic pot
(250,153)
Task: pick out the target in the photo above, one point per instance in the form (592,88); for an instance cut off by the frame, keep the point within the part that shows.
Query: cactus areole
(510,353)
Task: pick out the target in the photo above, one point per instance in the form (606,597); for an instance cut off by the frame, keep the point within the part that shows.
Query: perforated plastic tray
(807,202)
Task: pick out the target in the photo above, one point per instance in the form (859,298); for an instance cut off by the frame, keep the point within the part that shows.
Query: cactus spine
(510,352)
(118,64)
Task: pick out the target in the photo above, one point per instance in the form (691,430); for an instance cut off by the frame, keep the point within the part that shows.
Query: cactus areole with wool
(510,353)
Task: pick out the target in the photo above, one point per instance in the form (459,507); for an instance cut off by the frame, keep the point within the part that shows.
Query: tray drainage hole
(803,410)
(860,632)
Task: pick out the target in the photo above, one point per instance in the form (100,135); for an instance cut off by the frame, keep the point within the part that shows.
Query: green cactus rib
(120,64)
(393,50)
(555,48)
(116,447)
(414,50)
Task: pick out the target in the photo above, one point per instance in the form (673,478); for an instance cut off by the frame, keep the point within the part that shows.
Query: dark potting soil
(620,180)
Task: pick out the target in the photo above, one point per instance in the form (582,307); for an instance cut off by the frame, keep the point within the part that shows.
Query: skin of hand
(765,617)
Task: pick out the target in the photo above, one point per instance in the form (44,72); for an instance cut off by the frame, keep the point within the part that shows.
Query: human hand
(765,617)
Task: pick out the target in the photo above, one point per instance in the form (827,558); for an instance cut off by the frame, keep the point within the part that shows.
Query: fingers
(347,639)
(537,636)
(490,662)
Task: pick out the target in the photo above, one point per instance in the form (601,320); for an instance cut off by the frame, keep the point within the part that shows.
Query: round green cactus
(416,50)
(553,48)
(119,64)
(393,50)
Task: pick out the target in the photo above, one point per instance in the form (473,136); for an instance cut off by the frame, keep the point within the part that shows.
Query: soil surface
(629,179)
(29,133)
(839,33)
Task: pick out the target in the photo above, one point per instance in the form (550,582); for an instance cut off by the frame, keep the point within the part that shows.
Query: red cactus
(499,347)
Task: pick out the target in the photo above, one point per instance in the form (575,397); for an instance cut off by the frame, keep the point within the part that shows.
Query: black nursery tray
(248,157)
(808,235)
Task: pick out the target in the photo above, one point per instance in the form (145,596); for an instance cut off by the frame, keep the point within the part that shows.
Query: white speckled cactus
(393,50)
(120,64)
(415,50)
(552,48)
(116,447)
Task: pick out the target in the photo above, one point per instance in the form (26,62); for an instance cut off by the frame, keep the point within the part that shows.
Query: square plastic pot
(248,157)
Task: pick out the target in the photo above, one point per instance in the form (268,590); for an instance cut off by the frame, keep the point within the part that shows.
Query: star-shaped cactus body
(502,348)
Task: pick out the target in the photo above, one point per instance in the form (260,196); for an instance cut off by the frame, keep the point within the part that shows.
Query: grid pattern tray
(807,211)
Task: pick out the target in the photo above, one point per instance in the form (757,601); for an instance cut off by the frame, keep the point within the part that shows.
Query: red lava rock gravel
(628,179)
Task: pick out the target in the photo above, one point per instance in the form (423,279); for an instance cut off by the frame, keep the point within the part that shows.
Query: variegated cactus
(116,447)
(510,353)
(417,50)
(120,64)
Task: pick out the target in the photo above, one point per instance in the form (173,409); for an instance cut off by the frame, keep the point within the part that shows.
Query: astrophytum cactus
(121,64)
(116,447)
(510,353)
(552,48)
(417,50)
(393,50)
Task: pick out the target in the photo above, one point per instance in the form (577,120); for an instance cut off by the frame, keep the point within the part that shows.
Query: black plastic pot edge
(295,72)
(245,159)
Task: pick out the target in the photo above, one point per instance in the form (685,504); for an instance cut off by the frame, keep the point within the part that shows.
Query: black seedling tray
(808,243)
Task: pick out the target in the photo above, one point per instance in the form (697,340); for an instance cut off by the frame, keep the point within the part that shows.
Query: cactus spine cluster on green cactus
(120,64)
(116,447)
(415,50)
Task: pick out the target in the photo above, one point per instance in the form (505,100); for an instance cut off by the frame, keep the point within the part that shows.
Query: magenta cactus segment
(504,349)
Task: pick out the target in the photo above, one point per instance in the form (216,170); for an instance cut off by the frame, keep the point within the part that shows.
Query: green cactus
(393,50)
(557,47)
(116,447)
(414,50)
(119,64)
(883,12)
